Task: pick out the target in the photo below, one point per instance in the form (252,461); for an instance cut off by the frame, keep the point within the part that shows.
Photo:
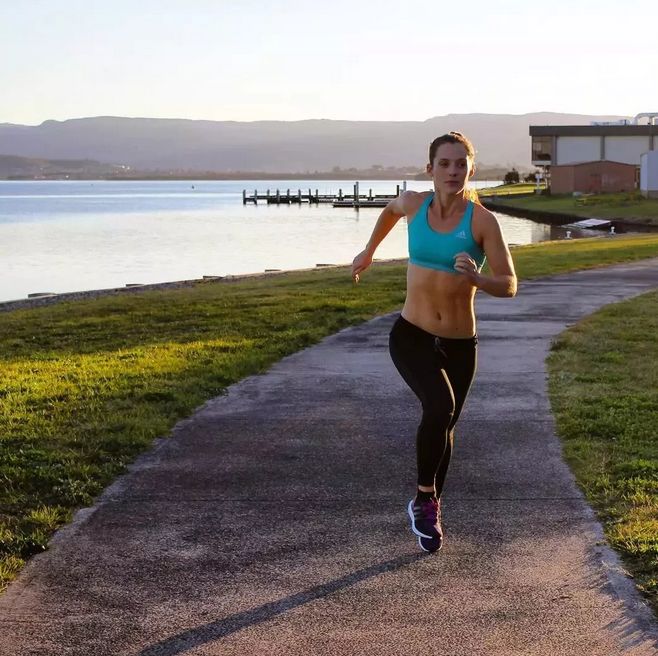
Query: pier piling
(355,199)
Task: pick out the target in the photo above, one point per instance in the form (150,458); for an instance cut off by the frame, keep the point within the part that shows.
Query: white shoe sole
(420,544)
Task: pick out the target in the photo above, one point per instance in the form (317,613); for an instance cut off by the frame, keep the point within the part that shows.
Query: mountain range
(269,146)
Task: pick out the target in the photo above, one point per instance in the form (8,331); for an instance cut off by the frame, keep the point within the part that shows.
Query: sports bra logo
(461,235)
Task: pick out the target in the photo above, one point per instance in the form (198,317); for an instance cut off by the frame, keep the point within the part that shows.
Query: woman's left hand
(465,265)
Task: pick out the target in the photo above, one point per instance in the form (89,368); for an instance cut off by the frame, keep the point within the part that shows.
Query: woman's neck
(447,204)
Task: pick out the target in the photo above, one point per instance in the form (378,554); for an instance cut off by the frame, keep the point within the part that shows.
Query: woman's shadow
(215,630)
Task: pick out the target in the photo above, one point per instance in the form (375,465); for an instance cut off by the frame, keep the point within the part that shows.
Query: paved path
(273,521)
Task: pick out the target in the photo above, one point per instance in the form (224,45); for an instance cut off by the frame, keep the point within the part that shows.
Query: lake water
(62,236)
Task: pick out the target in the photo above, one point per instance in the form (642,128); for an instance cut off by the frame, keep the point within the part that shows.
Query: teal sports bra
(436,250)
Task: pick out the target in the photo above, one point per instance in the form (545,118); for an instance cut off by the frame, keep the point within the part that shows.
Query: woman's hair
(456,137)
(452,137)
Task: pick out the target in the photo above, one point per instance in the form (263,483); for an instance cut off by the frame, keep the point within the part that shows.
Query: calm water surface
(59,236)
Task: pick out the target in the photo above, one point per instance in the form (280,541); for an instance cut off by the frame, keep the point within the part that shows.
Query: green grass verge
(85,386)
(604,393)
(631,207)
(510,189)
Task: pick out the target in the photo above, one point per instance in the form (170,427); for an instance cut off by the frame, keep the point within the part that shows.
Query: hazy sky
(344,59)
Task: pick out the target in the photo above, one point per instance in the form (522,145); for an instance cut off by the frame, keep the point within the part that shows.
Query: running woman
(433,342)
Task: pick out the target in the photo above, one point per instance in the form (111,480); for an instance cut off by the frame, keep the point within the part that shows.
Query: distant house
(597,157)
(593,177)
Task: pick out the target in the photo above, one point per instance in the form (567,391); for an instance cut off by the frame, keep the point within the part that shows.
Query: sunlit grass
(511,189)
(604,392)
(625,206)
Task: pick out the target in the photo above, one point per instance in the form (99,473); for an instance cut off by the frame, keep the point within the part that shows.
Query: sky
(248,60)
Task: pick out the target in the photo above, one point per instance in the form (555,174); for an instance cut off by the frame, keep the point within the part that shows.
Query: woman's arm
(503,282)
(390,215)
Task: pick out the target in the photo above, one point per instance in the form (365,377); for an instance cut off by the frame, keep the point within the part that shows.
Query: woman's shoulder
(412,201)
(484,221)
(482,215)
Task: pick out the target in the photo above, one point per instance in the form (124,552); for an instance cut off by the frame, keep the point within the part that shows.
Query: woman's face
(451,168)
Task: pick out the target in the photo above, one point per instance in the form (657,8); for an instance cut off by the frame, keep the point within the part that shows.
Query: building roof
(593,130)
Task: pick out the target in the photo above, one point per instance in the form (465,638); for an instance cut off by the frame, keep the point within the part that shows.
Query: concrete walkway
(273,521)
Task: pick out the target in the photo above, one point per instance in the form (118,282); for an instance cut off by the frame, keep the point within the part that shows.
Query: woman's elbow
(511,287)
(506,287)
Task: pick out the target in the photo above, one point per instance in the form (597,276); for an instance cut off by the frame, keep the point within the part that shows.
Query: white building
(625,142)
(649,174)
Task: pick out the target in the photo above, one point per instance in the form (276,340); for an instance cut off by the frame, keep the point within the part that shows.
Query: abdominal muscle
(440,303)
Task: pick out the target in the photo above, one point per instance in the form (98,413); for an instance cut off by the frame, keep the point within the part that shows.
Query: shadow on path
(221,628)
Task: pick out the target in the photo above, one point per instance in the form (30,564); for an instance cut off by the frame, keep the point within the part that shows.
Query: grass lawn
(631,207)
(510,189)
(604,393)
(85,386)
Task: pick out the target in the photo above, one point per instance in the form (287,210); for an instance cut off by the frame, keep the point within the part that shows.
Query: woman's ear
(470,175)
(429,168)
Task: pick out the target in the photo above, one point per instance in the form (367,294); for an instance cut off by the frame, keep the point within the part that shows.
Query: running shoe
(430,544)
(426,523)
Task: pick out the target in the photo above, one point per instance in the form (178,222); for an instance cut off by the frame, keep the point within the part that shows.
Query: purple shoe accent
(426,519)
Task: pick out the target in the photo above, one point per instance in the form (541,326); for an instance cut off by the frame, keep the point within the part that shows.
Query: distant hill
(314,145)
(13,167)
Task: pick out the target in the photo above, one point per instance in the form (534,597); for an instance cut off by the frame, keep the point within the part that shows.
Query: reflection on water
(519,231)
(70,236)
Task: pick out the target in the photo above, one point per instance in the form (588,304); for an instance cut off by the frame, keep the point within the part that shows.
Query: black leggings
(440,371)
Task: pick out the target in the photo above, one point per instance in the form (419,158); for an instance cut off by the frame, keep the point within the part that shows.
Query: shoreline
(51,299)
(560,218)
(541,216)
(54,298)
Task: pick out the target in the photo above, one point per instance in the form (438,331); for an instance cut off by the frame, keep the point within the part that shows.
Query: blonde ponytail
(472,194)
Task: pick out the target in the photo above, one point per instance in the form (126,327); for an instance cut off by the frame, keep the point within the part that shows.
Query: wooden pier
(355,199)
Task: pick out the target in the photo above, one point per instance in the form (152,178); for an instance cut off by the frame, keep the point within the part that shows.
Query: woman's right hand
(361,262)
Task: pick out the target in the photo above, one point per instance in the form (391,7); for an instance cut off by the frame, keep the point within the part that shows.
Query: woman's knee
(438,416)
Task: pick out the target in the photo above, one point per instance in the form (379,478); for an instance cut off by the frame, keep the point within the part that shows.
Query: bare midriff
(440,303)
